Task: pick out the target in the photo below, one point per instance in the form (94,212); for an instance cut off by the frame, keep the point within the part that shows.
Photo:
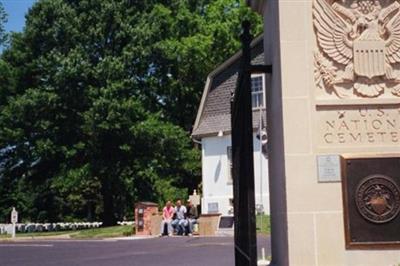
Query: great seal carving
(358,47)
(378,198)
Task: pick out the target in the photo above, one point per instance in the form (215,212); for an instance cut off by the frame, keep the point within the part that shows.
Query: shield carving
(379,204)
(369,58)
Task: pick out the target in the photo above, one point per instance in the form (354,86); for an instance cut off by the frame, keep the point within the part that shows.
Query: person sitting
(191,217)
(167,214)
(179,223)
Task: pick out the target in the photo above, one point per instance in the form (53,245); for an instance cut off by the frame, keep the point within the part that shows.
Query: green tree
(3,21)
(182,42)
(99,99)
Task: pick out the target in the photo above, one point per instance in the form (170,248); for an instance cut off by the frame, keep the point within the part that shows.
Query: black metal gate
(242,155)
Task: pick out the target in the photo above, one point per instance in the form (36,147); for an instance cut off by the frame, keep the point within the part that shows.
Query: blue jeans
(191,222)
(179,225)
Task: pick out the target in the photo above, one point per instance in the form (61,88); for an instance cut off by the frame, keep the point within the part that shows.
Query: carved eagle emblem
(359,46)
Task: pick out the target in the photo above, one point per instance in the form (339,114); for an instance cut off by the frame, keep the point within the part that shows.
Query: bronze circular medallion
(378,198)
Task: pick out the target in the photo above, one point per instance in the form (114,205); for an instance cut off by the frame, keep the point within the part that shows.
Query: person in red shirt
(167,216)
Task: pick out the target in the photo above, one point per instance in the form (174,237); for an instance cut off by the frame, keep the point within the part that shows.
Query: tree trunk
(108,217)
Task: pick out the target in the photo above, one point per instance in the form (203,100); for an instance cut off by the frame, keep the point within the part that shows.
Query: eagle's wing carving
(393,42)
(332,32)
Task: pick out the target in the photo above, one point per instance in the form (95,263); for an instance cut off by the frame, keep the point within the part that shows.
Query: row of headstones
(50,227)
(47,227)
(126,223)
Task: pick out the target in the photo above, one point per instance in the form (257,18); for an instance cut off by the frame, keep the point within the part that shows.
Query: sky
(16,10)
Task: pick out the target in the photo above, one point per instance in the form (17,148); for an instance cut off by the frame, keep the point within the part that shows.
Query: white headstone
(14,220)
(14,216)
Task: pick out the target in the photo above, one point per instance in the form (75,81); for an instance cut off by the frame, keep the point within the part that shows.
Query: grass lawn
(38,234)
(263,224)
(103,232)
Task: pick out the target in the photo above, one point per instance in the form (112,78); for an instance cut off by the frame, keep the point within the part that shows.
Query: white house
(213,130)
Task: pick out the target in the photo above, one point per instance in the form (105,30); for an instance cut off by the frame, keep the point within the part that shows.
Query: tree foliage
(3,21)
(97,100)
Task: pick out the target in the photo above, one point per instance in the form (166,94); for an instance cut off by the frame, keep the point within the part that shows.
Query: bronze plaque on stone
(371,198)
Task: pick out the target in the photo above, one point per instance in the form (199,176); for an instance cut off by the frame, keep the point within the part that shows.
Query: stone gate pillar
(334,130)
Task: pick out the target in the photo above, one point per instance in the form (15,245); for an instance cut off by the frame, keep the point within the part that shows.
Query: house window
(229,170)
(257,91)
(213,207)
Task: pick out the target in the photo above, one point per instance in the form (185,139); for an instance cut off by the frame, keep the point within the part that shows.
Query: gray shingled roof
(214,111)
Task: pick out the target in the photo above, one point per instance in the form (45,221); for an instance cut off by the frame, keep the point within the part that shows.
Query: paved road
(175,251)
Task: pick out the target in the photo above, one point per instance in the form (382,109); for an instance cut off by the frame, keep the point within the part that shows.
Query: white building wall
(217,184)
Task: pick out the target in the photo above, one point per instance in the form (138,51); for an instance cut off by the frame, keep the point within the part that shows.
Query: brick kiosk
(208,224)
(143,213)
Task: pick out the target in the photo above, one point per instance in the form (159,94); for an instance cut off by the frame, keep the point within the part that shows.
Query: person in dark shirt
(191,216)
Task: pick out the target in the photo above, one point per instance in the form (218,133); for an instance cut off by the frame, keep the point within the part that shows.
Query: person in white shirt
(180,222)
